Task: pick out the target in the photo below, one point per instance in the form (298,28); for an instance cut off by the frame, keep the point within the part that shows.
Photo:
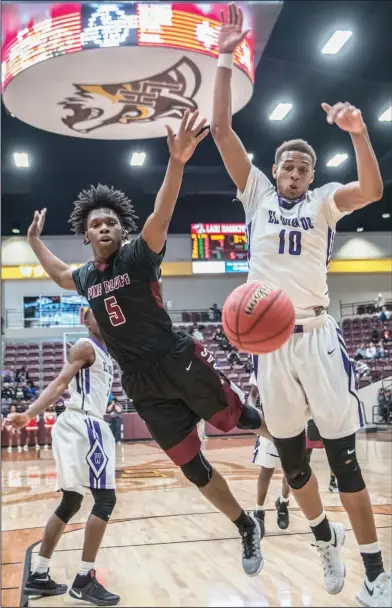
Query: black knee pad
(104,503)
(294,459)
(198,470)
(250,418)
(343,461)
(69,505)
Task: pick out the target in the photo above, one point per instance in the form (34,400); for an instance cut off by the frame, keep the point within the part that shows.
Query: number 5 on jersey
(114,311)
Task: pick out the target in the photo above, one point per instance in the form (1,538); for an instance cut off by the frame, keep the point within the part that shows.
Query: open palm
(231,33)
(183,145)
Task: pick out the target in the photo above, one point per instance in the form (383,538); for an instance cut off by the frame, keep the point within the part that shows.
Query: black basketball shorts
(180,390)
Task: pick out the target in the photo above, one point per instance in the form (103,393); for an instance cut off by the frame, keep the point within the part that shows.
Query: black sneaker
(86,587)
(282,514)
(333,486)
(42,584)
(259,514)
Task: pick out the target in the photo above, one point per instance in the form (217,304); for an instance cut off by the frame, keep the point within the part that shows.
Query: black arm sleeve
(137,253)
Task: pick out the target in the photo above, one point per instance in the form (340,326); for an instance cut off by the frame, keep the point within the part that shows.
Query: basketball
(258,318)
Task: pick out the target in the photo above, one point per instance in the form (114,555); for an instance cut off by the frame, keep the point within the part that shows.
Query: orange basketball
(258,318)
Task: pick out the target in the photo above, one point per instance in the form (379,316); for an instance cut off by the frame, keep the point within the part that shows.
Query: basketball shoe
(42,584)
(259,514)
(333,486)
(334,570)
(252,557)
(282,513)
(86,587)
(378,593)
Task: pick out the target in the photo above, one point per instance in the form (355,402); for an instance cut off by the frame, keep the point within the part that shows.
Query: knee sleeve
(294,459)
(198,470)
(343,461)
(250,418)
(69,505)
(104,503)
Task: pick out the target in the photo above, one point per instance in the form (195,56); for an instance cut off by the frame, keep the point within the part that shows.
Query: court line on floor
(24,599)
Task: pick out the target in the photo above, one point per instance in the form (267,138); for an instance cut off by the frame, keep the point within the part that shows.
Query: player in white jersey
(291,233)
(265,455)
(83,448)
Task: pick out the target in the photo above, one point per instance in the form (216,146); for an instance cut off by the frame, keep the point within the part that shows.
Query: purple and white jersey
(290,243)
(89,390)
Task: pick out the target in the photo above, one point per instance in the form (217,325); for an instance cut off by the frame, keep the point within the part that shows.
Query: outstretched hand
(231,33)
(16,421)
(37,224)
(345,116)
(183,145)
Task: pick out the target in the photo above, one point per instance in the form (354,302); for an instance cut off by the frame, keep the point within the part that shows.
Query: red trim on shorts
(315,445)
(186,450)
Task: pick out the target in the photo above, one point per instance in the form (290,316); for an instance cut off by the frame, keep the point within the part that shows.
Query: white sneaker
(20,448)
(9,449)
(25,448)
(37,447)
(378,593)
(334,570)
(46,447)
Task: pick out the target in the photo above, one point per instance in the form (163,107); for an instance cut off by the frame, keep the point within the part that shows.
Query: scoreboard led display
(219,242)
(61,28)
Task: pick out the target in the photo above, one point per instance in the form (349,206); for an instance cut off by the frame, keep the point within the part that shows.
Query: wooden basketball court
(166,546)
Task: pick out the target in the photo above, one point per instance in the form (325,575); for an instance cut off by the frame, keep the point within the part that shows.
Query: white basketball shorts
(265,454)
(84,451)
(309,377)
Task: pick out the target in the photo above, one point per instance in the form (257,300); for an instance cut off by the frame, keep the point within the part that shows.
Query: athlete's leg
(263,483)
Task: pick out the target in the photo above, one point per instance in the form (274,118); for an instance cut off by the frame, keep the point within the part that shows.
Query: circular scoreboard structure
(115,71)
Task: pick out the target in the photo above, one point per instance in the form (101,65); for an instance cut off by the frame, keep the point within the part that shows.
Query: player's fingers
(231,14)
(199,126)
(202,135)
(192,121)
(244,35)
(334,111)
(184,121)
(326,107)
(240,18)
(170,133)
(222,17)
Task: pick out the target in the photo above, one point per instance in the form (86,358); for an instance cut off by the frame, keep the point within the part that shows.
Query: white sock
(259,507)
(85,567)
(315,522)
(371,548)
(42,564)
(283,499)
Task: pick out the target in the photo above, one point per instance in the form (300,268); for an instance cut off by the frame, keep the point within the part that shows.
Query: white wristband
(225,61)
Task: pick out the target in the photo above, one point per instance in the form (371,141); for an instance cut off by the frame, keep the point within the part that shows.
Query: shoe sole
(92,600)
(45,592)
(344,573)
(361,601)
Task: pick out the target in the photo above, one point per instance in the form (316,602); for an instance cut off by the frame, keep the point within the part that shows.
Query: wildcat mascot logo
(168,94)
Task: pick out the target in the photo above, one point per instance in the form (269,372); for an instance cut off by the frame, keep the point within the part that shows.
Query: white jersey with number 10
(290,245)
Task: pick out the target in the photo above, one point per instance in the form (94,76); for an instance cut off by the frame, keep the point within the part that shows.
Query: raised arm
(231,149)
(58,271)
(181,148)
(369,186)
(80,355)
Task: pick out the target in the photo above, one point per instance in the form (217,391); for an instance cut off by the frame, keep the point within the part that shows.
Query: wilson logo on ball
(260,294)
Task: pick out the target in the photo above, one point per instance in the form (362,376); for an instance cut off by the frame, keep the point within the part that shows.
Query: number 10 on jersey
(294,242)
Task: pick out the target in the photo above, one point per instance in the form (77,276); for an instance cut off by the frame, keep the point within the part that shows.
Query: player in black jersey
(171,377)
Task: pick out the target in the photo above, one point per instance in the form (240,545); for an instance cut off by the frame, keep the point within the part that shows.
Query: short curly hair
(99,197)
(296,145)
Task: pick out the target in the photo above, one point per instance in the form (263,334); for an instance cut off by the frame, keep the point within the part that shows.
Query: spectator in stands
(384,314)
(362,370)
(8,376)
(219,336)
(32,388)
(21,406)
(386,335)
(371,351)
(196,332)
(7,393)
(379,301)
(115,411)
(248,367)
(19,392)
(360,353)
(13,433)
(215,313)
(380,351)
(384,401)
(234,358)
(375,335)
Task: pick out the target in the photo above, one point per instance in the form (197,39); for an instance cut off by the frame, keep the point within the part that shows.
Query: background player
(83,448)
(290,234)
(314,442)
(266,456)
(171,377)
(49,421)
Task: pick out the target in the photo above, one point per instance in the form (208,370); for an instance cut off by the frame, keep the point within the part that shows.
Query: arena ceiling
(291,69)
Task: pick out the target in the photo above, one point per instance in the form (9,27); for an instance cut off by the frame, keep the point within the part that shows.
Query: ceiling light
(386,116)
(21,159)
(360,229)
(281,111)
(337,160)
(137,159)
(251,156)
(15,228)
(336,42)
(386,216)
